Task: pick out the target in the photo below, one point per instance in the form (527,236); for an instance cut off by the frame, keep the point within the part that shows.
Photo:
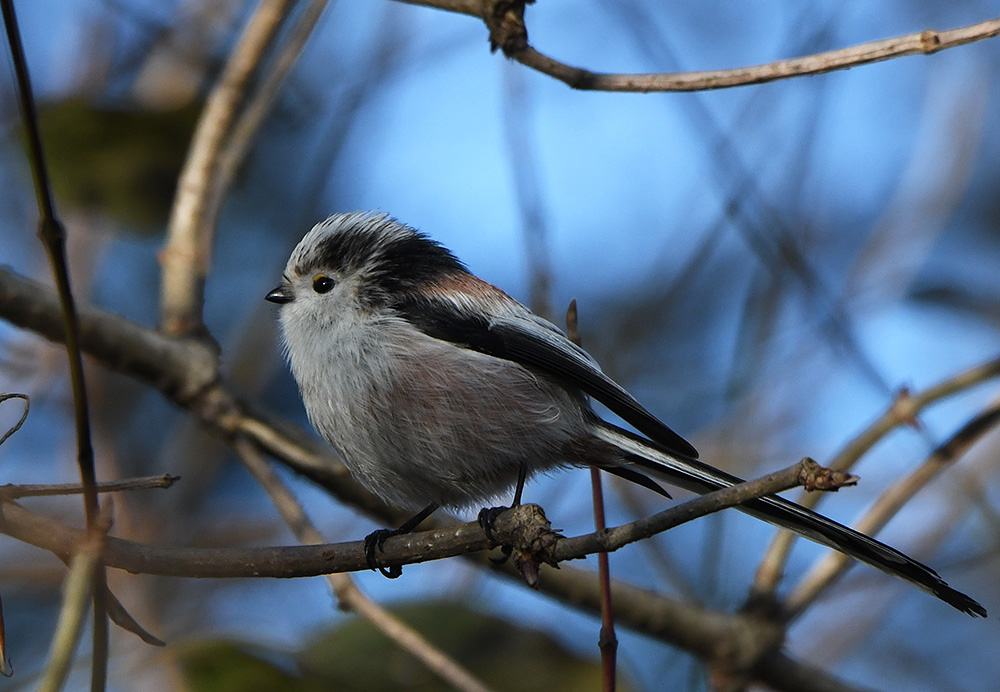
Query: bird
(437,389)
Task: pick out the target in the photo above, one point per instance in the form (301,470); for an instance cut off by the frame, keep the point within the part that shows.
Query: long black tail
(701,478)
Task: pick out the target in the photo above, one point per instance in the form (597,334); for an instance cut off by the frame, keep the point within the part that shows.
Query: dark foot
(487,518)
(374,541)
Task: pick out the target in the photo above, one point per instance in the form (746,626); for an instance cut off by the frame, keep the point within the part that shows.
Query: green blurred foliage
(356,657)
(120,162)
(223,666)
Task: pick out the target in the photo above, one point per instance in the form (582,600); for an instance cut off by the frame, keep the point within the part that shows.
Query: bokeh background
(764,267)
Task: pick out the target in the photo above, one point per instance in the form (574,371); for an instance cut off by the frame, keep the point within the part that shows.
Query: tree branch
(509,33)
(186,253)
(424,546)
(53,236)
(11,491)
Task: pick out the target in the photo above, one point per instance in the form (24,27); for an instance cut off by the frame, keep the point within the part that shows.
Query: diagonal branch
(348,595)
(186,253)
(53,236)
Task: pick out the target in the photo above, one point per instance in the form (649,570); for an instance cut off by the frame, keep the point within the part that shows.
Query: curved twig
(24,414)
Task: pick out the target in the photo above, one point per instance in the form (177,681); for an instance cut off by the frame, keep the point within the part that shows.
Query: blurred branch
(258,107)
(784,673)
(186,253)
(925,198)
(522,154)
(505,21)
(824,573)
(78,587)
(6,668)
(903,410)
(81,582)
(348,595)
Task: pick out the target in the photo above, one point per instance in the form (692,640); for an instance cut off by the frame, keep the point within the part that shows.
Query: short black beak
(281,295)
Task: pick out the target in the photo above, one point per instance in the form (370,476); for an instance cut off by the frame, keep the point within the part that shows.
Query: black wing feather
(517,337)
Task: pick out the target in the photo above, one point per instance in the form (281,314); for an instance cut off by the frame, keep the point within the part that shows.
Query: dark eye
(322,283)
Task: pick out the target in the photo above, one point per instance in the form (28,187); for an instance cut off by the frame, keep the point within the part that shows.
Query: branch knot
(812,476)
(530,535)
(505,20)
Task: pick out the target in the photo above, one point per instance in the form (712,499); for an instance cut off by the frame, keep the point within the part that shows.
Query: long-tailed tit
(438,389)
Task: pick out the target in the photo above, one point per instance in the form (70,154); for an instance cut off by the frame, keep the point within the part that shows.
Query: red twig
(608,641)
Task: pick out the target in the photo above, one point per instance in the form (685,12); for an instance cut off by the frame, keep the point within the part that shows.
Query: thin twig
(612,539)
(24,414)
(508,32)
(10,491)
(522,155)
(608,640)
(187,251)
(53,237)
(348,595)
(6,668)
(824,573)
(903,409)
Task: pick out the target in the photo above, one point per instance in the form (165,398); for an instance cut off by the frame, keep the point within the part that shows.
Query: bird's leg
(376,539)
(488,515)
(521,474)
